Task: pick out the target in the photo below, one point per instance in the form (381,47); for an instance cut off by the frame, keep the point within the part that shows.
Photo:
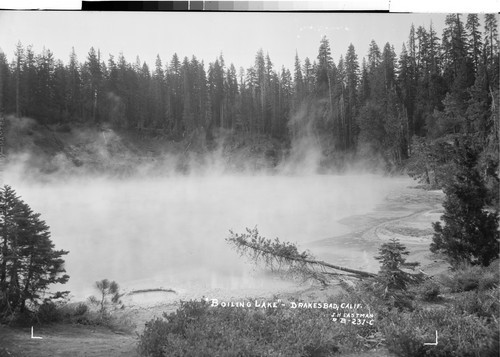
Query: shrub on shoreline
(466,322)
(197,329)
(458,334)
(467,277)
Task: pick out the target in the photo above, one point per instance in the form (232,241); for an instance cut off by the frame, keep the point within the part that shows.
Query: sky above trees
(237,35)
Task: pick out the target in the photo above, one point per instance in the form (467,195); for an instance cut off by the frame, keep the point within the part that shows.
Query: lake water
(171,231)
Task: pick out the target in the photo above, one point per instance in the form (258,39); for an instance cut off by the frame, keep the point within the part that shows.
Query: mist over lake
(171,231)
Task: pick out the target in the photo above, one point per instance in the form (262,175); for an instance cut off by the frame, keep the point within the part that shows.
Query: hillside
(75,149)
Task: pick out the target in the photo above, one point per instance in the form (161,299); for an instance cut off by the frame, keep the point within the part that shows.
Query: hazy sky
(237,35)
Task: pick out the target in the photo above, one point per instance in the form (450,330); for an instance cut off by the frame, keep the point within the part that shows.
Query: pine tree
(352,75)
(364,87)
(45,86)
(231,90)
(392,258)
(388,65)
(260,89)
(374,56)
(470,233)
(109,295)
(28,261)
(216,93)
(18,75)
(4,82)
(30,89)
(174,82)
(60,109)
(269,96)
(308,73)
(325,66)
(422,49)
(408,91)
(298,83)
(157,94)
(74,87)
(490,36)
(454,46)
(491,49)
(474,43)
(143,98)
(94,83)
(286,92)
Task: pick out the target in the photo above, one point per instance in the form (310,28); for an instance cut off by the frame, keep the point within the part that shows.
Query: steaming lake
(170,232)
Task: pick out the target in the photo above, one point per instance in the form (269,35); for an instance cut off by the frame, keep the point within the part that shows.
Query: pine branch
(271,252)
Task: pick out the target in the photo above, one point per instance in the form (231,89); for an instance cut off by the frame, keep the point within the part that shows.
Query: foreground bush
(427,291)
(458,334)
(466,322)
(49,312)
(467,277)
(466,319)
(197,329)
(480,303)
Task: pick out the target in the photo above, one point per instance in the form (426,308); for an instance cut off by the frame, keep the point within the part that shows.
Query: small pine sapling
(392,278)
(109,295)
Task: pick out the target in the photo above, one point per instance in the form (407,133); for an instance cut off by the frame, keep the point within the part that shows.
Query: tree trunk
(310,261)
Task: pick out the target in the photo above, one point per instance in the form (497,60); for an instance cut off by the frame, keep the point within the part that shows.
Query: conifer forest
(403,106)
(191,206)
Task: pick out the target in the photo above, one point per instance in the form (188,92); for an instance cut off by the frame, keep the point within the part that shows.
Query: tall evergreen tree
(28,261)
(470,233)
(45,86)
(308,74)
(352,75)
(18,65)
(4,84)
(364,86)
(60,109)
(324,69)
(158,93)
(92,84)
(491,49)
(374,56)
(74,86)
(30,91)
(298,83)
(231,90)
(174,82)
(458,69)
(474,43)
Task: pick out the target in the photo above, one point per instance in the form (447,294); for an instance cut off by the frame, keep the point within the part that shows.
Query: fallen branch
(284,254)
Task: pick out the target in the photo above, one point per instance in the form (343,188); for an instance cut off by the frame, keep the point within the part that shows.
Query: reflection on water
(171,231)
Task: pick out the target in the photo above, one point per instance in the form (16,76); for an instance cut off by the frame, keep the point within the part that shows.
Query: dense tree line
(393,106)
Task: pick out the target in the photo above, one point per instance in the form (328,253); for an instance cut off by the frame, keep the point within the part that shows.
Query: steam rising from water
(172,230)
(169,229)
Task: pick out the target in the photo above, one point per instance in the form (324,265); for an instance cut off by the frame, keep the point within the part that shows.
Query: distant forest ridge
(394,105)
